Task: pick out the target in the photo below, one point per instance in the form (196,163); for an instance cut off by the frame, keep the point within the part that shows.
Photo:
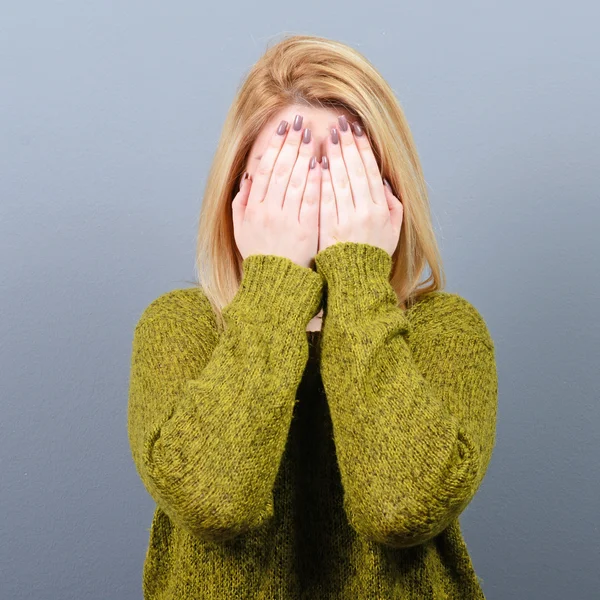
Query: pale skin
(374,216)
(319,121)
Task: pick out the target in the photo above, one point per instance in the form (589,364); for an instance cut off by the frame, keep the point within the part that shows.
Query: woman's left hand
(356,206)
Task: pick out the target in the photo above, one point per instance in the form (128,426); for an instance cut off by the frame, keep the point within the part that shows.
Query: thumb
(238,206)
(395,207)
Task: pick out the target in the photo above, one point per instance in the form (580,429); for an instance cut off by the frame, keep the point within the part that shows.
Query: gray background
(110,115)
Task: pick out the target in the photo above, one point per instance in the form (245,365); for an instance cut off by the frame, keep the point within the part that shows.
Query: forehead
(319,120)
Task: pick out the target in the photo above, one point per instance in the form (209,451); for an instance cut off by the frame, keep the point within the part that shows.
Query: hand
(278,211)
(356,206)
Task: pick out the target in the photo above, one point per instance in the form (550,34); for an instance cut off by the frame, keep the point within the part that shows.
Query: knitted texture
(294,465)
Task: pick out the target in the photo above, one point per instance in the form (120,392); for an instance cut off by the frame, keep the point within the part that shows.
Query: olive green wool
(286,464)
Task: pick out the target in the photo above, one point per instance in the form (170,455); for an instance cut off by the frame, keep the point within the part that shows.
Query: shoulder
(447,312)
(180,306)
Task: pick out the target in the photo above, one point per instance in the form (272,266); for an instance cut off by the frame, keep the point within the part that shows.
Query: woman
(286,459)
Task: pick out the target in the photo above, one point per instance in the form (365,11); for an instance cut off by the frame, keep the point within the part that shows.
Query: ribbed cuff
(274,289)
(357,278)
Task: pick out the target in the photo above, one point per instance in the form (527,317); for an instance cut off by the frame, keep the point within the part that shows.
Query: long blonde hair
(317,72)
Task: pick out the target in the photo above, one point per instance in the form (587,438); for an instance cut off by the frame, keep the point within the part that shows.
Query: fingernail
(306,136)
(324,162)
(334,136)
(343,123)
(358,130)
(313,162)
(244,177)
(282,127)
(298,122)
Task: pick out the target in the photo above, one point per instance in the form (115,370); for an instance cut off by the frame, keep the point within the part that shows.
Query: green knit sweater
(294,465)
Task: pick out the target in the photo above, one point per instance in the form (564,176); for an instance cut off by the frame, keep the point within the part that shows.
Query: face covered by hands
(355,204)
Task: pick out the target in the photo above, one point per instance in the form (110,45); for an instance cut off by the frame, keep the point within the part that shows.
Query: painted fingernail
(298,122)
(334,136)
(313,162)
(306,136)
(282,127)
(324,162)
(358,130)
(343,123)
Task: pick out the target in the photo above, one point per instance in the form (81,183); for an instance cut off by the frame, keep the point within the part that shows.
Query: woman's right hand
(278,211)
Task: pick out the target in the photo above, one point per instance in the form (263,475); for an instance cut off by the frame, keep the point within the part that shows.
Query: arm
(208,418)
(414,424)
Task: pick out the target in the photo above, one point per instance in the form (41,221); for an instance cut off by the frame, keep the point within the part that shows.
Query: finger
(328,215)
(297,183)
(369,161)
(262,176)
(359,183)
(309,209)
(338,175)
(245,186)
(284,166)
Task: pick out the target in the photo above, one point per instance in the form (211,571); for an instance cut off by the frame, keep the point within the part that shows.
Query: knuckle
(268,219)
(364,215)
(373,171)
(341,182)
(296,182)
(292,141)
(359,171)
(310,194)
(327,196)
(347,141)
(263,170)
(282,167)
(276,141)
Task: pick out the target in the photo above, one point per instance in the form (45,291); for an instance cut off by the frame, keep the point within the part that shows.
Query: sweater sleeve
(414,423)
(208,415)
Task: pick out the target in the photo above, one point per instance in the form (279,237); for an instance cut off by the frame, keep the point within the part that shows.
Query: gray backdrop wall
(110,115)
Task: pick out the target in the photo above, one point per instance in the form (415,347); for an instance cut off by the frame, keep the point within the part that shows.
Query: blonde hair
(317,72)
